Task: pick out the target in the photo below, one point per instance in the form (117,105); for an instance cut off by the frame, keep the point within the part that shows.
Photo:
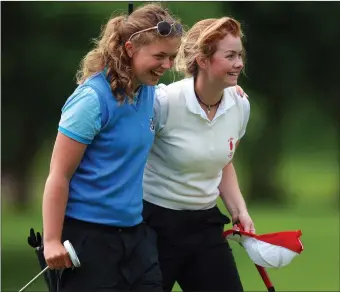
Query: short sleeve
(246,114)
(81,116)
(161,107)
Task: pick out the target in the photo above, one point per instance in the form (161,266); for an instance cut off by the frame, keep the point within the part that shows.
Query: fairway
(316,269)
(310,209)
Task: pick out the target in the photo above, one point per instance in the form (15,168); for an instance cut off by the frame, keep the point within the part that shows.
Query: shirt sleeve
(246,114)
(161,107)
(81,116)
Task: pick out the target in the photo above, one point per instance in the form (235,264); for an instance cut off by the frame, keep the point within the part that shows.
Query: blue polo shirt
(106,188)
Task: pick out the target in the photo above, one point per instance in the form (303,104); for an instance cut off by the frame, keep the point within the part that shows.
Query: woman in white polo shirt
(199,123)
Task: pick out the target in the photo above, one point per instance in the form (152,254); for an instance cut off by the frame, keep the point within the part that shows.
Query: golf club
(74,259)
(35,241)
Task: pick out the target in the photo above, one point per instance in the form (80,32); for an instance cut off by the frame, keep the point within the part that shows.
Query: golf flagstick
(270,250)
(130,7)
(264,275)
(262,271)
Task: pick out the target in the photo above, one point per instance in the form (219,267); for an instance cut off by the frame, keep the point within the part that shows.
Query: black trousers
(192,250)
(112,259)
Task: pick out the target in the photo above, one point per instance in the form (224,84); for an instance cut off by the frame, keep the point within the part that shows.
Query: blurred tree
(292,53)
(292,48)
(42,45)
(40,54)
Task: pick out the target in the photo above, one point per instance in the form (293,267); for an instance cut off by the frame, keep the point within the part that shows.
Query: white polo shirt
(184,167)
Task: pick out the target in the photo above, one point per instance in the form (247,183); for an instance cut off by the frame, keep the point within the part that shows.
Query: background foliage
(288,162)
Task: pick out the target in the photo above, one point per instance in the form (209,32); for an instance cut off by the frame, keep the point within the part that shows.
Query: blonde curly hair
(110,53)
(201,40)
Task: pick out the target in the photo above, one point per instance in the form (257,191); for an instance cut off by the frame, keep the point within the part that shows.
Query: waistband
(69,221)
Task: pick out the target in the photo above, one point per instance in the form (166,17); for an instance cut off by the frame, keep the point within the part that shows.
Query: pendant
(208,109)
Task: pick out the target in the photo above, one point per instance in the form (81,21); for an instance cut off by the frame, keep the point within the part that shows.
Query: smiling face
(226,64)
(150,62)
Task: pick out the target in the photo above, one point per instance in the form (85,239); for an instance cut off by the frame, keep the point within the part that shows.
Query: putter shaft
(36,277)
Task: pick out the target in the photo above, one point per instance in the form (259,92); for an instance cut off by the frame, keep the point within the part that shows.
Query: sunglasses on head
(163,28)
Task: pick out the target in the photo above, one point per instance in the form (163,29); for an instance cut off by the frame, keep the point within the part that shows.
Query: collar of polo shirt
(193,105)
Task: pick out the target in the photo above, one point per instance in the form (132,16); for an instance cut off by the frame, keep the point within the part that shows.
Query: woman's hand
(56,255)
(246,222)
(240,91)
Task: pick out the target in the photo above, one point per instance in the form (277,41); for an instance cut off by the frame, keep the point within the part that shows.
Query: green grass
(312,182)
(316,269)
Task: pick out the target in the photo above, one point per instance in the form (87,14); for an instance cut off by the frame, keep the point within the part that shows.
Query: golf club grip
(265,278)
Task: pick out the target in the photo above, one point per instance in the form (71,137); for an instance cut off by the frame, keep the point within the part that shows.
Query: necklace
(208,106)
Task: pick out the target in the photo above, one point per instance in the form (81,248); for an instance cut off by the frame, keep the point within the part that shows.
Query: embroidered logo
(231,147)
(152,125)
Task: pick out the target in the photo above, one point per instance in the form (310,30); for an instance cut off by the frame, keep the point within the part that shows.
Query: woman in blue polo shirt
(199,122)
(93,194)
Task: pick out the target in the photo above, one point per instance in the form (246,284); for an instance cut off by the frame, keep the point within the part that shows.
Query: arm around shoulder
(161,107)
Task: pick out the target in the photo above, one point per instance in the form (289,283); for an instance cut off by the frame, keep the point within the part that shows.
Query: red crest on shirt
(231,144)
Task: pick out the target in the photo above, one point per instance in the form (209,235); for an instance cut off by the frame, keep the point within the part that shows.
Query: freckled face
(226,63)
